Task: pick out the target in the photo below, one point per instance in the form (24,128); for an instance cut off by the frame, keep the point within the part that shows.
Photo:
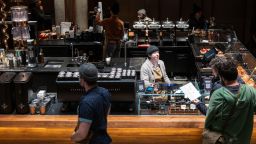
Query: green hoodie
(239,126)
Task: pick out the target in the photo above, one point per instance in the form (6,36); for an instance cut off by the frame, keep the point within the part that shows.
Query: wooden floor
(56,129)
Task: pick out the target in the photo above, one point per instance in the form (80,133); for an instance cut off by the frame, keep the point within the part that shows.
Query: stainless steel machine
(167,33)
(141,32)
(154,32)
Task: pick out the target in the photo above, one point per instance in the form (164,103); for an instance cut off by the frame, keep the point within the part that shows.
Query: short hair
(115,8)
(228,69)
(217,61)
(220,47)
(89,73)
(142,11)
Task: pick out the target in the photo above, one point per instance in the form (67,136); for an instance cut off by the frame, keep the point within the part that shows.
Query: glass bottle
(41,57)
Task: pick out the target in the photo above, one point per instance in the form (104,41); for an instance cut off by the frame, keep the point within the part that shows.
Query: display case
(165,104)
(167,100)
(215,42)
(223,42)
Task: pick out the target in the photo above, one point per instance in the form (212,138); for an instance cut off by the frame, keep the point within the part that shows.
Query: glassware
(228,38)
(32,108)
(2,56)
(20,33)
(54,29)
(210,36)
(10,59)
(16,32)
(19,13)
(42,108)
(25,32)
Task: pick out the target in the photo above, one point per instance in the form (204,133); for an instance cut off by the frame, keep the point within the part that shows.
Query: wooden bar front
(123,129)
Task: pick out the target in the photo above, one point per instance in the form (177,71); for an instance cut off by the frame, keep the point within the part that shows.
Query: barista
(197,19)
(38,14)
(142,15)
(153,70)
(114,28)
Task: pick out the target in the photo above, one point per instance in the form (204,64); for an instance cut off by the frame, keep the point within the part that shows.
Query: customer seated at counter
(153,69)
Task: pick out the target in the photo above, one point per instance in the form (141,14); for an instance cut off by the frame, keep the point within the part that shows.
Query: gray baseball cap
(88,72)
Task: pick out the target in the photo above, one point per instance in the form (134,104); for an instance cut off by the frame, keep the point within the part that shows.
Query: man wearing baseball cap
(93,109)
(153,70)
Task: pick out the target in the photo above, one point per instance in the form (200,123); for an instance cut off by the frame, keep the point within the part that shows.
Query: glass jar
(16,33)
(19,13)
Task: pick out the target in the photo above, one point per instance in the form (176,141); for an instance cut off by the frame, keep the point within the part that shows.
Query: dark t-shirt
(93,108)
(197,23)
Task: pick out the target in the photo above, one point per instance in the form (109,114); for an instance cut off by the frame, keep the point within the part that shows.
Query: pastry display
(245,77)
(204,50)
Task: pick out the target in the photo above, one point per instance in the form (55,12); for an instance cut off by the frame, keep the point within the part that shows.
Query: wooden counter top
(113,121)
(41,129)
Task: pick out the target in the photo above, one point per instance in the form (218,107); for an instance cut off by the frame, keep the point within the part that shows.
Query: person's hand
(207,97)
(195,101)
(155,87)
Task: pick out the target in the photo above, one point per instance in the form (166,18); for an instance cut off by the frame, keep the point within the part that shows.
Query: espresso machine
(167,33)
(154,32)
(141,32)
(181,32)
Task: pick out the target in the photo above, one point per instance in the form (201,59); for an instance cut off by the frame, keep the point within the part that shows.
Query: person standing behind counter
(153,70)
(114,28)
(142,15)
(37,13)
(197,19)
(93,109)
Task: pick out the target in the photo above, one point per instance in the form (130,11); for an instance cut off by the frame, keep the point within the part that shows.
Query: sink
(53,64)
(72,65)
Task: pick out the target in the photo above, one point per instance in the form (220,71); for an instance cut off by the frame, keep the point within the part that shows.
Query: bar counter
(67,64)
(178,129)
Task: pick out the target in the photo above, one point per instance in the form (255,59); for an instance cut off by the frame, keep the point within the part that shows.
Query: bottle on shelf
(41,57)
(18,58)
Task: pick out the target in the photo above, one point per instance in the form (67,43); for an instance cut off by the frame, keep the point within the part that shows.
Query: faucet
(125,51)
(77,52)
(72,49)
